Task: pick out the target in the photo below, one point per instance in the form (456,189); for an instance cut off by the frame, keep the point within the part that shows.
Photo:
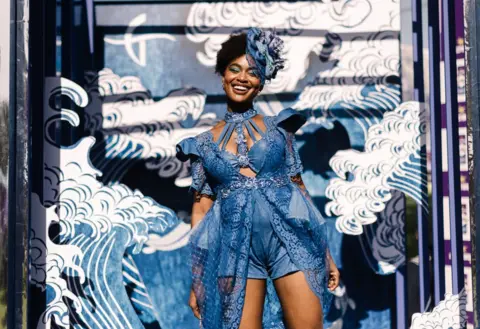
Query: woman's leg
(302,309)
(253,307)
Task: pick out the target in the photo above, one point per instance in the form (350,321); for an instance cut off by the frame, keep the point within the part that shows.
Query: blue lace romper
(258,227)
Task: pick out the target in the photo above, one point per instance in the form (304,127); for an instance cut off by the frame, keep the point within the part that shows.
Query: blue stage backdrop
(117,198)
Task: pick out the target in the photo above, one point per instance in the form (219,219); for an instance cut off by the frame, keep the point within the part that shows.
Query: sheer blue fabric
(221,242)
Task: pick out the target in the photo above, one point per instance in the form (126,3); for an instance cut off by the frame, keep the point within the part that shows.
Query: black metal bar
(50,23)
(64,135)
(19,150)
(472,58)
(67,38)
(183,29)
(436,150)
(42,44)
(451,103)
(419,96)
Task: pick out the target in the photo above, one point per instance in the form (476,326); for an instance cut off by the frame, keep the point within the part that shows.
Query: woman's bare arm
(297,179)
(201,205)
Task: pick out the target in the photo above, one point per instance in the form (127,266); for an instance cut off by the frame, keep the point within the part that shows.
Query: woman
(252,218)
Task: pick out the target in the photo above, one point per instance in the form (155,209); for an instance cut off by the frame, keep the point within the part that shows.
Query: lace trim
(253,183)
(293,161)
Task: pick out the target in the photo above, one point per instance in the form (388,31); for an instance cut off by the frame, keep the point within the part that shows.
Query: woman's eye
(253,73)
(234,70)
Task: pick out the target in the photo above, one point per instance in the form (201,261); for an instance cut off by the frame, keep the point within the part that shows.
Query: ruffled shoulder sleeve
(290,120)
(187,149)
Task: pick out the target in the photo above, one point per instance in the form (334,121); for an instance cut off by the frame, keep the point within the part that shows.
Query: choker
(235,117)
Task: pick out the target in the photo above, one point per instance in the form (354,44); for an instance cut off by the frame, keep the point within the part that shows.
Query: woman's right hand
(192,302)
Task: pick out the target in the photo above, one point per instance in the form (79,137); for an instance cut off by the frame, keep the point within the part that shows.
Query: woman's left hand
(333,276)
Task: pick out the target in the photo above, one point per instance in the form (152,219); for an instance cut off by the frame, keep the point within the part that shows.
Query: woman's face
(240,81)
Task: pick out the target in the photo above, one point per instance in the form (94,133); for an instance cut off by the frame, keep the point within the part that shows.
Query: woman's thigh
(253,307)
(302,309)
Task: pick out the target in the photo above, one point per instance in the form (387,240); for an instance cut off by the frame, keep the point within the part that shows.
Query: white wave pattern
(106,207)
(357,85)
(450,313)
(133,281)
(47,263)
(97,224)
(136,127)
(391,160)
(174,240)
(74,169)
(54,89)
(303,32)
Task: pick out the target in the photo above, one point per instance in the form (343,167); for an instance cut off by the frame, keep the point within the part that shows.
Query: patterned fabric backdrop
(118,198)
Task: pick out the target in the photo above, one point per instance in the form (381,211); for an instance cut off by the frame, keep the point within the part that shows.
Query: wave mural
(392,160)
(134,126)
(79,266)
(48,261)
(449,313)
(304,34)
(343,72)
(383,242)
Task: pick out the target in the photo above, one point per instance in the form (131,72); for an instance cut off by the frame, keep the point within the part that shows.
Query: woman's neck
(239,108)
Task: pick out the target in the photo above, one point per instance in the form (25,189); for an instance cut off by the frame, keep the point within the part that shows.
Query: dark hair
(234,47)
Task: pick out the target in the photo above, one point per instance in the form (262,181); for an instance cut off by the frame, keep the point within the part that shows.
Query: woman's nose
(242,76)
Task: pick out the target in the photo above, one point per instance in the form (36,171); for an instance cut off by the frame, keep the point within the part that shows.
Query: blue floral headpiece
(265,49)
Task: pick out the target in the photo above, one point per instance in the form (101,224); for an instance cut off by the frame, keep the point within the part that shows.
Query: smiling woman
(241,82)
(252,218)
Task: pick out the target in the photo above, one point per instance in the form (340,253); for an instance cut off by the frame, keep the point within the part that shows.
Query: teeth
(241,88)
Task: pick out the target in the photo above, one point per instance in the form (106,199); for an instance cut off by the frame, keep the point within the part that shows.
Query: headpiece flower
(265,49)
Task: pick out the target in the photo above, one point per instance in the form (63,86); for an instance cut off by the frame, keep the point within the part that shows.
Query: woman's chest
(264,156)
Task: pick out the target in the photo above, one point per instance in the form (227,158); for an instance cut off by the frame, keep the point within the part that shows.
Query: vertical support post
(19,151)
(436,149)
(401,292)
(42,64)
(68,60)
(89,5)
(419,96)
(451,103)
(472,57)
(5,25)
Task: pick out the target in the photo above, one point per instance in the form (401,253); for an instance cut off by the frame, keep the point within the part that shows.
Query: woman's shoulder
(215,131)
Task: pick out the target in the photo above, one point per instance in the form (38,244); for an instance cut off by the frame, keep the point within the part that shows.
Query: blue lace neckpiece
(239,122)
(233,117)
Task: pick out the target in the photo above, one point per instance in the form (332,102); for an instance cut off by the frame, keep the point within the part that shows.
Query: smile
(241,90)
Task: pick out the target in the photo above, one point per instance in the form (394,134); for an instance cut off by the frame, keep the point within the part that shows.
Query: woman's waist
(252,183)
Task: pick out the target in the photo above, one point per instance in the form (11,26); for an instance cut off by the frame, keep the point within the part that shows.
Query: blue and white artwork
(97,226)
(117,198)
